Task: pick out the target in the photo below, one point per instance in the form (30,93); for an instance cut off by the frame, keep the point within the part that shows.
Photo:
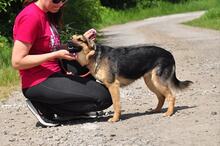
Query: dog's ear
(78,39)
(74,37)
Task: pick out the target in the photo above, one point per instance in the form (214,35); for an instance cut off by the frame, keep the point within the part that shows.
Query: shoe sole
(35,113)
(69,118)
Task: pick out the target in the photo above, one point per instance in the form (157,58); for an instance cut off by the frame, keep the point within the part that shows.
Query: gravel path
(197,117)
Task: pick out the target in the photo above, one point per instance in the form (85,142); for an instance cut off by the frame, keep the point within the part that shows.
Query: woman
(50,93)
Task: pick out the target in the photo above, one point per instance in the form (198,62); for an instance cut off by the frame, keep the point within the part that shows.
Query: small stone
(12,139)
(214,113)
(5,132)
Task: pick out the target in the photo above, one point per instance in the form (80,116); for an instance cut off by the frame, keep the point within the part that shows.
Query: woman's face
(50,6)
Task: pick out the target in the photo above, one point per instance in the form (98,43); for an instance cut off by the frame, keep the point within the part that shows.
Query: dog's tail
(180,85)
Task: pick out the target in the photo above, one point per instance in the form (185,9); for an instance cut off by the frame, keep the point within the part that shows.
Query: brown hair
(54,18)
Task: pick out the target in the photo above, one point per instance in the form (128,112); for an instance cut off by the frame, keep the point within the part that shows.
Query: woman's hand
(21,59)
(90,34)
(65,54)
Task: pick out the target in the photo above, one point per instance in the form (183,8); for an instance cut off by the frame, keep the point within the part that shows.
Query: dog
(117,67)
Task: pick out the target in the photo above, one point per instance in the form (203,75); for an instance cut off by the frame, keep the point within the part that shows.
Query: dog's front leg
(114,91)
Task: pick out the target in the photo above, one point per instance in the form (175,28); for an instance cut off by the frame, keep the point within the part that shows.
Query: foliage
(4,4)
(147,3)
(127,4)
(119,4)
(8,11)
(176,1)
(80,15)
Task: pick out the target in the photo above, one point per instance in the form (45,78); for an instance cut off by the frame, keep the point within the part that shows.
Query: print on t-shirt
(54,39)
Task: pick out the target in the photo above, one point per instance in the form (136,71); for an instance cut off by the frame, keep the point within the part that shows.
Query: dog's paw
(112,120)
(167,114)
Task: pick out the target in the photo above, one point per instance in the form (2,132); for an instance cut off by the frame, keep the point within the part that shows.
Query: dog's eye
(83,39)
(79,39)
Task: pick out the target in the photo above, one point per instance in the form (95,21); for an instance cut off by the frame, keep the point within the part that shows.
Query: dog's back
(134,61)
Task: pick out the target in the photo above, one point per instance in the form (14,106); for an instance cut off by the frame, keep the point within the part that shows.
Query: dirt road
(197,116)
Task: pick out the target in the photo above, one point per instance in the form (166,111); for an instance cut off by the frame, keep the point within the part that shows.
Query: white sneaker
(43,120)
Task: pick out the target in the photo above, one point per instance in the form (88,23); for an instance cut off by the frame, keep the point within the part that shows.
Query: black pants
(68,95)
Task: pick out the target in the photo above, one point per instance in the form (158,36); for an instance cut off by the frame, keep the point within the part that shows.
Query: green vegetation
(111,16)
(92,14)
(211,19)
(80,15)
(8,76)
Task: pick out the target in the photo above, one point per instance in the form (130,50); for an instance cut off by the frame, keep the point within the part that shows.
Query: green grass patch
(6,90)
(211,19)
(8,76)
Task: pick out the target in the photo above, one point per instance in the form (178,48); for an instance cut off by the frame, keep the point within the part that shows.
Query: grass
(211,19)
(8,76)
(9,79)
(6,90)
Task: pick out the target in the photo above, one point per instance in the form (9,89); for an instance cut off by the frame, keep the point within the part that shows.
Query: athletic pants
(68,95)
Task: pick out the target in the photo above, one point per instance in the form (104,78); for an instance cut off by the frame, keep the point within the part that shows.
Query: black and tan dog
(116,67)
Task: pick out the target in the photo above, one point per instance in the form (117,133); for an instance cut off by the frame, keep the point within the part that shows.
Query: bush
(119,4)
(80,16)
(126,4)
(147,3)
(8,11)
(4,4)
(176,1)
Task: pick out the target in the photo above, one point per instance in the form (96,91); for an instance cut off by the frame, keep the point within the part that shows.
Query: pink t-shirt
(32,26)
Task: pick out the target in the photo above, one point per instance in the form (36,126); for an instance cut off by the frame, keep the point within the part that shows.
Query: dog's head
(87,47)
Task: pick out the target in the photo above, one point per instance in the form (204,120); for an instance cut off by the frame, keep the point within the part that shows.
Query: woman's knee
(104,101)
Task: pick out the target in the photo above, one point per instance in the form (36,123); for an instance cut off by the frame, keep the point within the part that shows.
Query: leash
(84,75)
(70,73)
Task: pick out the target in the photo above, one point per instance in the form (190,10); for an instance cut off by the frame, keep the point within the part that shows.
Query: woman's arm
(22,60)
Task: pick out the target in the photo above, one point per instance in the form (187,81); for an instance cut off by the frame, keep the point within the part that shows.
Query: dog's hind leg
(164,91)
(160,97)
